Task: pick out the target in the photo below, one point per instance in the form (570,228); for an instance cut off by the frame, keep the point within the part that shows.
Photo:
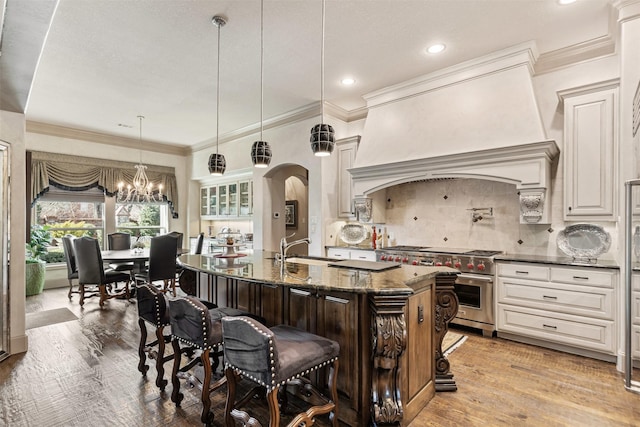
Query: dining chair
(117,242)
(70,259)
(179,236)
(275,358)
(199,244)
(91,272)
(197,331)
(162,263)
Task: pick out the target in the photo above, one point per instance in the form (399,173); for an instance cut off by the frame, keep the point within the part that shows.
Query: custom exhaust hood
(479,119)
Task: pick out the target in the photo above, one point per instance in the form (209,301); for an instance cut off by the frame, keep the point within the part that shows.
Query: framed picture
(291,214)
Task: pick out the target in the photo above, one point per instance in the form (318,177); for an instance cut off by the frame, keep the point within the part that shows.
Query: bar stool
(276,357)
(153,308)
(195,329)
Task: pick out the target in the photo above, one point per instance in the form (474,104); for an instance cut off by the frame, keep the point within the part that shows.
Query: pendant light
(261,151)
(217,162)
(322,138)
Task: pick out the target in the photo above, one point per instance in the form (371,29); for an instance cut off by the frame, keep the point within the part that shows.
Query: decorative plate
(584,241)
(352,234)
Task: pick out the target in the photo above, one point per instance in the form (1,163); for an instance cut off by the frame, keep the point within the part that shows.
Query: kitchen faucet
(284,246)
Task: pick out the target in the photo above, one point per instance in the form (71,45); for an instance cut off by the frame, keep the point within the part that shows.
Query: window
(85,213)
(143,221)
(79,213)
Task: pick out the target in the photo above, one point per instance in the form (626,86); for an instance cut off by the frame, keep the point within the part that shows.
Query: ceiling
(105,62)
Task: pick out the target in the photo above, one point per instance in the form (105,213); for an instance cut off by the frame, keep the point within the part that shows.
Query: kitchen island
(386,322)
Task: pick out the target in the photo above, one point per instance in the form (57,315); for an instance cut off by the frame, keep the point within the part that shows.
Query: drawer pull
(549,297)
(521,272)
(580,278)
(549,326)
(420,313)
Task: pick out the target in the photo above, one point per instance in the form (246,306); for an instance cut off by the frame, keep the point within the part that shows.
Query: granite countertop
(261,267)
(547,259)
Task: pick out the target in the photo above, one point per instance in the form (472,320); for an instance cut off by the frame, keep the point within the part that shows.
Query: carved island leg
(446,310)
(388,342)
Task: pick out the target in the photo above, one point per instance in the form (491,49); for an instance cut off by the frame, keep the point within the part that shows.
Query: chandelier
(141,189)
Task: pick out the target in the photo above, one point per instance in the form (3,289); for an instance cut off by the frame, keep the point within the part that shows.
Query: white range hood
(479,119)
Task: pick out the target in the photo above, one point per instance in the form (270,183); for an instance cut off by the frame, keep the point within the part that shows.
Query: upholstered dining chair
(194,327)
(70,259)
(277,357)
(91,272)
(117,242)
(179,236)
(199,244)
(162,263)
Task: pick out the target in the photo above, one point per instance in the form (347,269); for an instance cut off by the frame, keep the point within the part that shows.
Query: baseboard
(18,344)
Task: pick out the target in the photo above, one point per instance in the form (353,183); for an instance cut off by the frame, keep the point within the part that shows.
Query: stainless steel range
(474,286)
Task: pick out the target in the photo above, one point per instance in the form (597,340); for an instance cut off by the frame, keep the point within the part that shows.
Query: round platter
(586,241)
(352,234)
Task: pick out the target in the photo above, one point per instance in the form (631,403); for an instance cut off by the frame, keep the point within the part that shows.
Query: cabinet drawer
(635,307)
(338,253)
(568,299)
(635,282)
(524,271)
(363,255)
(588,277)
(635,342)
(592,334)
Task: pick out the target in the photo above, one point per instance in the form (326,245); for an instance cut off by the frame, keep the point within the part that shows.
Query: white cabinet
(570,306)
(591,152)
(351,253)
(346,153)
(225,201)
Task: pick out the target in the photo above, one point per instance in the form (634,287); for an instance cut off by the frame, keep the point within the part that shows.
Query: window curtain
(77,173)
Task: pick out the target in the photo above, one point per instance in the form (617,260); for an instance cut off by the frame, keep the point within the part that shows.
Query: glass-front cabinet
(229,200)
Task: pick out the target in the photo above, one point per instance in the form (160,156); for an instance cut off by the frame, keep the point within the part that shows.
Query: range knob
(398,258)
(383,257)
(470,266)
(481,266)
(405,260)
(458,264)
(415,262)
(438,263)
(447,263)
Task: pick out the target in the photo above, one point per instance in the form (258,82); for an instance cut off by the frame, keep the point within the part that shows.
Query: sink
(310,261)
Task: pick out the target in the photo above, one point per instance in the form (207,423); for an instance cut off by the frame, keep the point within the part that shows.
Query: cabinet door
(590,155)
(337,317)
(270,303)
(223,200)
(233,199)
(204,201)
(346,150)
(301,309)
(213,200)
(245,199)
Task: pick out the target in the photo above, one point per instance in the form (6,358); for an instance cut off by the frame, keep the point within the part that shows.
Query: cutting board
(365,265)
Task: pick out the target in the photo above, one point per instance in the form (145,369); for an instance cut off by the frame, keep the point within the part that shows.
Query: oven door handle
(483,278)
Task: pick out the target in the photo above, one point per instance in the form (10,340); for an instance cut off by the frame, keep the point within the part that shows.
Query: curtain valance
(77,173)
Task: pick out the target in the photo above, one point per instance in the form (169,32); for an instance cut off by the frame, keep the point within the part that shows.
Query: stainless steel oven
(474,286)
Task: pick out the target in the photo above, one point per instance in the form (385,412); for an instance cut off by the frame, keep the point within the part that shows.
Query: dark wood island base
(385,322)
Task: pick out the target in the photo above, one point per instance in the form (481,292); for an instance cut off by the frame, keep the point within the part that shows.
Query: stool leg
(142,367)
(176,396)
(231,396)
(207,416)
(160,381)
(81,295)
(274,409)
(333,388)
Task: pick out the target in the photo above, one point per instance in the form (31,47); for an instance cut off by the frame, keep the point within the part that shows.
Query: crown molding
(571,55)
(101,138)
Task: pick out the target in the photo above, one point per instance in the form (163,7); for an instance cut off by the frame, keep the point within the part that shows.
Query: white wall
(12,131)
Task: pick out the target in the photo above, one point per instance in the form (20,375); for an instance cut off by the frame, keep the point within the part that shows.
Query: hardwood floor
(83,372)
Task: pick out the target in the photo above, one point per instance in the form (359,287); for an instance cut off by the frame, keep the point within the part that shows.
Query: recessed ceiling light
(436,48)
(566,1)
(348,81)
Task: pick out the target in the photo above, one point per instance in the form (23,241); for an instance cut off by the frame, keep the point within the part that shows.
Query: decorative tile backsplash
(440,213)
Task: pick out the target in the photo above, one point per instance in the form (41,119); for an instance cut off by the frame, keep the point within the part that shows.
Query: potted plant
(35,266)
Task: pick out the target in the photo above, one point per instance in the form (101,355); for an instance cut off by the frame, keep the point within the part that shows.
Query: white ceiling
(105,62)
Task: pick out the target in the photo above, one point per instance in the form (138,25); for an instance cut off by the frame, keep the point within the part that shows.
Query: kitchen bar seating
(273,358)
(197,329)
(162,263)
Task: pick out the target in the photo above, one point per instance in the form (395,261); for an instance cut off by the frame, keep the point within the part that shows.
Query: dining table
(139,257)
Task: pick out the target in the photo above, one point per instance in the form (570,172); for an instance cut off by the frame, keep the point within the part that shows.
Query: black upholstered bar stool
(197,329)
(276,357)
(153,309)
